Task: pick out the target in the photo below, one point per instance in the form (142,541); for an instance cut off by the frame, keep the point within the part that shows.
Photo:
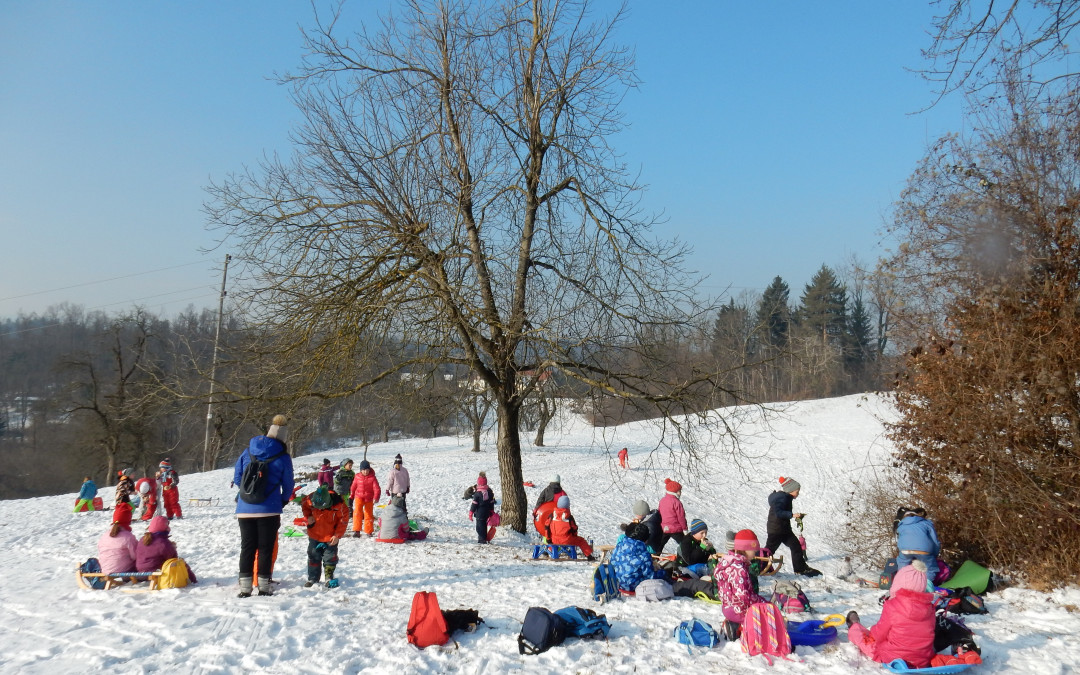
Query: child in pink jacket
(672,514)
(732,574)
(116,548)
(906,628)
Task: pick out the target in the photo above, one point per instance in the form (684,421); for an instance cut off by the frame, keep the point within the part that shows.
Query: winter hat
(911,577)
(144,489)
(364,464)
(347,462)
(555,478)
(563,503)
(789,485)
(672,486)
(729,540)
(398,501)
(638,531)
(122,514)
(397,459)
(746,540)
(698,525)
(158,524)
(275,430)
(320,499)
(641,508)
(481,482)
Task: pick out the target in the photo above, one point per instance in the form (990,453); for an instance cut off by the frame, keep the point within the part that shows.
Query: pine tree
(773,314)
(823,309)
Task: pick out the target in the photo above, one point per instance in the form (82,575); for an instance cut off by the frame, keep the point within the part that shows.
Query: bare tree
(455,189)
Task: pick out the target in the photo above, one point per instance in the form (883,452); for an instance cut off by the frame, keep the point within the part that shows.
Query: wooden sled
(770,565)
(200,501)
(117,580)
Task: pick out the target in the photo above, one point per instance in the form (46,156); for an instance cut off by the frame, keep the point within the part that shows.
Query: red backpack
(426,623)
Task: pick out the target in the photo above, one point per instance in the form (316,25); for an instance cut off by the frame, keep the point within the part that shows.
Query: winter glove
(470,515)
(232,484)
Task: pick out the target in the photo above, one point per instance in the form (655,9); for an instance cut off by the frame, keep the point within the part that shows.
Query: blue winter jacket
(916,533)
(279,484)
(780,513)
(633,563)
(88,490)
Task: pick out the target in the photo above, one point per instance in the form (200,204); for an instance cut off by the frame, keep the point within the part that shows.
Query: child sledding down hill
(327,517)
(545,506)
(906,628)
(481,508)
(394,523)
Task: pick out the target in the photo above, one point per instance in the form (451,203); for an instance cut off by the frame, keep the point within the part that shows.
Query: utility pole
(213,366)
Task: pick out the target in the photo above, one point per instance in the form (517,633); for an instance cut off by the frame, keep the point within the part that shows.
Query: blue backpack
(92,566)
(696,633)
(605,585)
(584,623)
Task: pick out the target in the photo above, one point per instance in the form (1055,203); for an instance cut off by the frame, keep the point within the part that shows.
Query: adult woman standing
(259,511)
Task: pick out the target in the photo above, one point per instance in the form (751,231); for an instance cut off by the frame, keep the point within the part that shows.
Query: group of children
(119,551)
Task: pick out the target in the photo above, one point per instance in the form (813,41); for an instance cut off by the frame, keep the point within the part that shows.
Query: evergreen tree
(823,311)
(859,347)
(773,314)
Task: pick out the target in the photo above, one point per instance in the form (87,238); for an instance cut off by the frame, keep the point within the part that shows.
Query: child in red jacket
(327,517)
(365,495)
(906,628)
(564,528)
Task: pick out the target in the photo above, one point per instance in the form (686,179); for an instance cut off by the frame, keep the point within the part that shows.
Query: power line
(102,281)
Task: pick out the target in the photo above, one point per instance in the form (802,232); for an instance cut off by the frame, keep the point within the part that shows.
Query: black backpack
(253,481)
(540,631)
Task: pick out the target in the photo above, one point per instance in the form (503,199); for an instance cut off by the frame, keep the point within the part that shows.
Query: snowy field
(48,625)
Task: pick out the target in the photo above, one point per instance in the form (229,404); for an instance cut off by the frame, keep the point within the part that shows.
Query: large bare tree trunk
(515,506)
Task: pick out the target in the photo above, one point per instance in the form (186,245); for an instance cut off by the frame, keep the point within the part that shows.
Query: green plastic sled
(971,574)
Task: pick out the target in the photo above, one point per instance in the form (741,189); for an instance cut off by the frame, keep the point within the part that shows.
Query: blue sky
(773,136)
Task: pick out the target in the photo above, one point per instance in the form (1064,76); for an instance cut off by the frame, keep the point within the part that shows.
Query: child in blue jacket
(85,501)
(917,540)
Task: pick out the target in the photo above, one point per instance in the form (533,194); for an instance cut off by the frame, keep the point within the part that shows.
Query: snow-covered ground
(48,625)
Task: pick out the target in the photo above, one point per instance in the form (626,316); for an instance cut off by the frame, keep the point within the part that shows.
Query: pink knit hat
(158,524)
(911,577)
(481,481)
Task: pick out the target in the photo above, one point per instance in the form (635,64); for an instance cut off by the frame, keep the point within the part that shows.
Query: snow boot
(264,586)
(309,583)
(810,572)
(852,617)
(245,587)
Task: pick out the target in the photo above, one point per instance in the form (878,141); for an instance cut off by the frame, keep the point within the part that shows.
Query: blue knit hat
(697,525)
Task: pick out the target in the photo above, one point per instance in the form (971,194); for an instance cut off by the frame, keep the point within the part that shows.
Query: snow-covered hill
(47,625)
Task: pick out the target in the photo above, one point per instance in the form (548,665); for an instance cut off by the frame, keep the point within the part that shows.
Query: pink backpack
(764,632)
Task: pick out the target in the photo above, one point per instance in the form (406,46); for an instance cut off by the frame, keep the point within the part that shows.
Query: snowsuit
(85,500)
(170,493)
(633,563)
(656,531)
(672,519)
(342,483)
(148,505)
(149,557)
(117,554)
(481,508)
(398,484)
(564,531)
(905,630)
(917,539)
(365,494)
(259,522)
(779,530)
(328,524)
(326,476)
(394,523)
(733,586)
(624,455)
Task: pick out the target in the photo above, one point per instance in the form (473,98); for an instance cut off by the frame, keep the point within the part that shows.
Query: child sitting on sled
(116,548)
(155,548)
(906,627)
(564,531)
(327,517)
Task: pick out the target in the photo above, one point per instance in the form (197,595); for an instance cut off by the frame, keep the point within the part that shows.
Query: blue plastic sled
(898,666)
(810,633)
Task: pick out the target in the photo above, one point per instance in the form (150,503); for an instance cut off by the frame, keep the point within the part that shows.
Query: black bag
(965,601)
(253,480)
(461,619)
(885,580)
(540,631)
(948,632)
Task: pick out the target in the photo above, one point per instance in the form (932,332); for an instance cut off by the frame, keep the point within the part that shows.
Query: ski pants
(859,635)
(668,536)
(84,505)
(573,540)
(258,534)
(320,554)
(171,497)
(363,516)
(789,539)
(904,559)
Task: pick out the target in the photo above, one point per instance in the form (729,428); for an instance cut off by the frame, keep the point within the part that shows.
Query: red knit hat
(672,486)
(122,515)
(746,540)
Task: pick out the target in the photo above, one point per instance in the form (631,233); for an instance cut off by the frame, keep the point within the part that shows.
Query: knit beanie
(729,540)
(789,485)
(276,430)
(746,540)
(364,464)
(911,577)
(159,524)
(397,459)
(563,503)
(144,489)
(555,478)
(641,508)
(481,482)
(672,486)
(698,525)
(122,515)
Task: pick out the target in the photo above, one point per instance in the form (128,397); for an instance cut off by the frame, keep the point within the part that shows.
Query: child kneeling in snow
(155,548)
(564,528)
(327,516)
(906,628)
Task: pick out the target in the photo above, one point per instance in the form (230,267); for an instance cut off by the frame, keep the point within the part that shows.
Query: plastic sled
(395,540)
(972,575)
(810,633)
(898,666)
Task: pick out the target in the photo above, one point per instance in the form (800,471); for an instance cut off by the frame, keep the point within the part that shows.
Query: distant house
(526,377)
